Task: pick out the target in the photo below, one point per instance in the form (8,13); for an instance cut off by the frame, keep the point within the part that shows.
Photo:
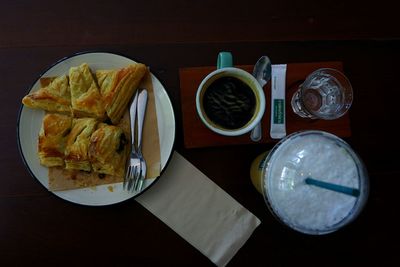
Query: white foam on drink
(305,206)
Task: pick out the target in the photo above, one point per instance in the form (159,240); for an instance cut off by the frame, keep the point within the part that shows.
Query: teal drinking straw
(334,187)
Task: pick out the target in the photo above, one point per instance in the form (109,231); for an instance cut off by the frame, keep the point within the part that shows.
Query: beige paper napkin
(199,211)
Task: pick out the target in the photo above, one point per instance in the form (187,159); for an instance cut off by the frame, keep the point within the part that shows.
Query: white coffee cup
(225,69)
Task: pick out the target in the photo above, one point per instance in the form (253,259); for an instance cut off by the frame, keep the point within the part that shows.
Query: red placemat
(196,134)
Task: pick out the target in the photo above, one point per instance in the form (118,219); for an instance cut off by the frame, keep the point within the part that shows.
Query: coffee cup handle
(224,60)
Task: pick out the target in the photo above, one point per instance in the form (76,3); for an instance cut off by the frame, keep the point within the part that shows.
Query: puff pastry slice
(76,152)
(55,97)
(108,150)
(85,96)
(53,138)
(118,86)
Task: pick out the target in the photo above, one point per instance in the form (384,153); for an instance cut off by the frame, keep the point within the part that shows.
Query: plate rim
(19,139)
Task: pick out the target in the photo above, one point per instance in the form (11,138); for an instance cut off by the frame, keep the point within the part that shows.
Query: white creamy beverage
(308,208)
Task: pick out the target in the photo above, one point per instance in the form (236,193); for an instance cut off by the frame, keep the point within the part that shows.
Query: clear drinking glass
(325,94)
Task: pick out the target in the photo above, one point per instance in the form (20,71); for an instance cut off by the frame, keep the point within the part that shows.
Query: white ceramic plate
(30,120)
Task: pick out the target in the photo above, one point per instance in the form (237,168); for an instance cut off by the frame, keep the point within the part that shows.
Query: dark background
(36,227)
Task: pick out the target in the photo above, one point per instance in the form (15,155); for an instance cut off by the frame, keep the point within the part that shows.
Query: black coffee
(229,102)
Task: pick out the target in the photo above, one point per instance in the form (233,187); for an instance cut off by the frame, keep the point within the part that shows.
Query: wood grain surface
(39,229)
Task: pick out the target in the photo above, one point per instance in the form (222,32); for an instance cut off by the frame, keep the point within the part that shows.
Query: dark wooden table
(40,229)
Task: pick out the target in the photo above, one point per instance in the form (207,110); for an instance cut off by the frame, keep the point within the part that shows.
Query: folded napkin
(199,211)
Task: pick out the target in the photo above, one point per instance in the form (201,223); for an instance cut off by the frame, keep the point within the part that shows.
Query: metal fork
(133,169)
(136,171)
(141,110)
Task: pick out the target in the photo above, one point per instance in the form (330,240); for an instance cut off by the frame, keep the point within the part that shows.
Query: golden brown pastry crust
(84,152)
(85,96)
(108,150)
(65,179)
(52,139)
(76,152)
(117,88)
(55,97)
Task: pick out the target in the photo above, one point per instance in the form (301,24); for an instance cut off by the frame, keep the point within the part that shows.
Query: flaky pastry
(108,150)
(55,97)
(76,152)
(117,88)
(85,96)
(52,139)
